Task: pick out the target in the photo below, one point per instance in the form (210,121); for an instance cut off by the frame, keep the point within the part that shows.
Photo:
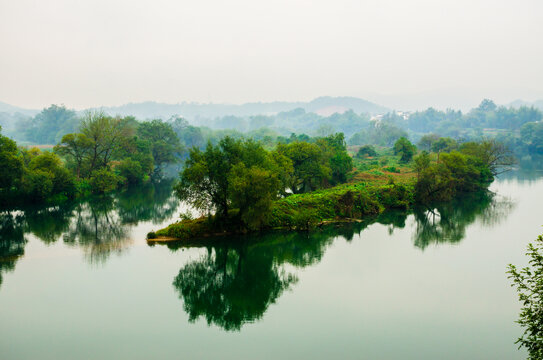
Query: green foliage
(444,144)
(107,137)
(422,162)
(131,170)
(405,149)
(188,229)
(427,141)
(531,137)
(37,185)
(11,165)
(382,134)
(340,162)
(496,156)
(316,164)
(529,284)
(104,180)
(49,125)
(456,173)
(309,164)
(162,140)
(75,148)
(344,201)
(46,178)
(252,191)
(392,169)
(238,174)
(366,151)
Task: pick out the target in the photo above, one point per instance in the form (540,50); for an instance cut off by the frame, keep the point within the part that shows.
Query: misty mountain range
(325,105)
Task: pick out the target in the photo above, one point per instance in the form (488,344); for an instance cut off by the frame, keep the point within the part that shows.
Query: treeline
(444,167)
(242,186)
(106,153)
(520,128)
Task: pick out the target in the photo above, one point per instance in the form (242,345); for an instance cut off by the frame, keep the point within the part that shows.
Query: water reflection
(447,222)
(152,202)
(236,281)
(97,228)
(12,242)
(100,226)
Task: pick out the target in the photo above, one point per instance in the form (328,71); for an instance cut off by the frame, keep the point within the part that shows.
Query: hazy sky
(109,52)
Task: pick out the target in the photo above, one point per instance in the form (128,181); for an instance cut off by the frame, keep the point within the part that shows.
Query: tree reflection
(98,229)
(48,224)
(12,241)
(99,225)
(231,286)
(151,202)
(234,284)
(447,222)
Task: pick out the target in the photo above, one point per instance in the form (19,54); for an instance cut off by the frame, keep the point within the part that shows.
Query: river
(80,282)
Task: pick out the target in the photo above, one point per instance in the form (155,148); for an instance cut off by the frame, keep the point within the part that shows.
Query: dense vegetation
(243,187)
(242,175)
(519,128)
(529,283)
(105,154)
(98,153)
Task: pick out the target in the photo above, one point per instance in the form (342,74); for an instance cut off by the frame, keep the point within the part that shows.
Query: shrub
(37,184)
(103,181)
(366,151)
(131,170)
(392,169)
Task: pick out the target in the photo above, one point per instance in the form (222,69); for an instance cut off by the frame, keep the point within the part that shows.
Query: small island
(305,183)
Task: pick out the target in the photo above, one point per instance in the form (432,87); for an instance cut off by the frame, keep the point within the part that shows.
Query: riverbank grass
(346,202)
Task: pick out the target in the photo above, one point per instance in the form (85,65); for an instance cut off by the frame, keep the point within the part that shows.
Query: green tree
(405,149)
(11,165)
(340,162)
(235,174)
(529,284)
(252,191)
(76,148)
(107,135)
(103,181)
(366,151)
(454,174)
(495,155)
(37,185)
(427,141)
(422,162)
(310,165)
(49,164)
(131,171)
(48,126)
(444,144)
(163,141)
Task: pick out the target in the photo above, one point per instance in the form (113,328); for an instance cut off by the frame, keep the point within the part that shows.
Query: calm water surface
(80,282)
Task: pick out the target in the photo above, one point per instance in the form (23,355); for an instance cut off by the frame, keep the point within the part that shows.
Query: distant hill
(325,105)
(147,110)
(518,103)
(10,109)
